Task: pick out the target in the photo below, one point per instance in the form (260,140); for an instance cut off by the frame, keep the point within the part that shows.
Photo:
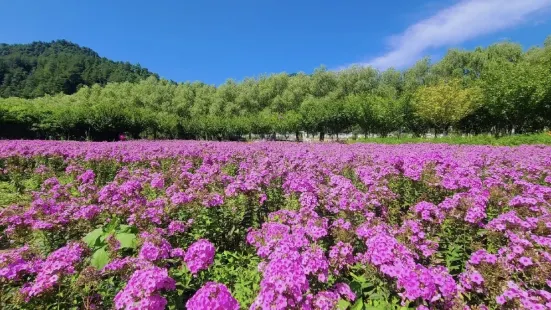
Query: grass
(514,140)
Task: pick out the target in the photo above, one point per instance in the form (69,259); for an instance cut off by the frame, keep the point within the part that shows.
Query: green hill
(39,68)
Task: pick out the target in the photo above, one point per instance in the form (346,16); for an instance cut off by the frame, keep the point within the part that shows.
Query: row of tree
(500,90)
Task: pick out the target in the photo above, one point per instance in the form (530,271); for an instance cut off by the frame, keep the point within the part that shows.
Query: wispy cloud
(461,22)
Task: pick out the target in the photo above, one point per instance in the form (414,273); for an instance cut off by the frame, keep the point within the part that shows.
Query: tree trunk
(322,135)
(296,136)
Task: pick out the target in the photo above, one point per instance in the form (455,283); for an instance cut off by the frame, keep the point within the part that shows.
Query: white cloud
(463,21)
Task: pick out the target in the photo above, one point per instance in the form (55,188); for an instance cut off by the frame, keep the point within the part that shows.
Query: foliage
(98,241)
(446,103)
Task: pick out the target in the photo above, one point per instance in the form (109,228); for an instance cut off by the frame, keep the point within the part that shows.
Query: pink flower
(158,181)
(59,263)
(525,261)
(142,290)
(199,255)
(477,278)
(212,296)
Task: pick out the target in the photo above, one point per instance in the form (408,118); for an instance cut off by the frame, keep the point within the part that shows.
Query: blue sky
(214,40)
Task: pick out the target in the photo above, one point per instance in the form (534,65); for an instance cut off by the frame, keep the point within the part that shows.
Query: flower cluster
(199,255)
(18,262)
(59,263)
(142,291)
(212,296)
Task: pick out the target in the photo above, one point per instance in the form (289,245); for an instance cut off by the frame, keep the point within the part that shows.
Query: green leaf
(112,225)
(125,228)
(358,305)
(378,306)
(100,258)
(127,240)
(92,237)
(360,278)
(343,304)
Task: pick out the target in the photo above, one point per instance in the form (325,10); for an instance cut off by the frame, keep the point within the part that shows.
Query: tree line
(501,89)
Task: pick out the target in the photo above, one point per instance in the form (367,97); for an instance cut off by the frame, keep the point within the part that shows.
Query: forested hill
(39,68)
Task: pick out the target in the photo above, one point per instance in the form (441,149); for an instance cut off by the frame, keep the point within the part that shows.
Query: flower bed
(197,225)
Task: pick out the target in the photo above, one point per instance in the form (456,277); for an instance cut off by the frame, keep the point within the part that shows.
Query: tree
(356,80)
(339,115)
(446,103)
(291,121)
(322,82)
(376,113)
(298,88)
(514,94)
(313,115)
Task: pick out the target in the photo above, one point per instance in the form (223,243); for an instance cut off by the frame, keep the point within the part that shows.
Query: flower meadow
(273,225)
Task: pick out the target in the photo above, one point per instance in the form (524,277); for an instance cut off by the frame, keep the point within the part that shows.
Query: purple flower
(180,198)
(212,296)
(176,227)
(142,290)
(152,252)
(18,262)
(158,181)
(87,177)
(344,291)
(314,262)
(477,278)
(283,285)
(213,200)
(340,256)
(118,264)
(199,255)
(525,261)
(429,211)
(59,263)
(87,212)
(325,300)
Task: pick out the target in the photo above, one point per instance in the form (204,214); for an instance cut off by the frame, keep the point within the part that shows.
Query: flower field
(202,225)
